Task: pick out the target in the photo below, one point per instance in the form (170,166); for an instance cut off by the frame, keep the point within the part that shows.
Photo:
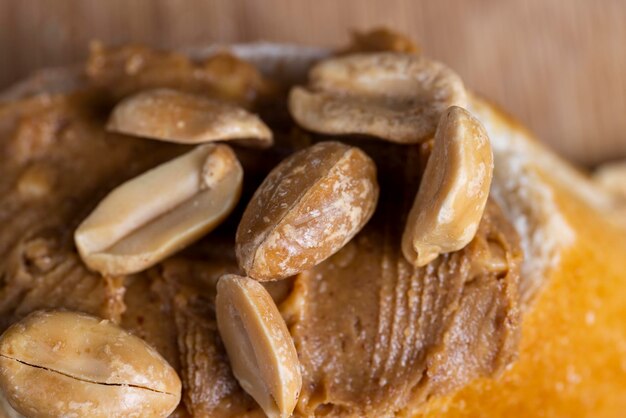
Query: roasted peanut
(394,96)
(612,178)
(453,191)
(306,209)
(381,40)
(161,211)
(66,364)
(259,346)
(185,118)
(37,181)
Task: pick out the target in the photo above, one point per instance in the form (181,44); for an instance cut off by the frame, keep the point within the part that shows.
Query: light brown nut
(380,40)
(453,191)
(161,211)
(394,96)
(261,352)
(612,177)
(306,209)
(36,182)
(171,115)
(67,364)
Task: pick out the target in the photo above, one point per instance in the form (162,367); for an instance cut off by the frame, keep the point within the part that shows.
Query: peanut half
(612,178)
(66,364)
(395,96)
(261,352)
(161,211)
(453,191)
(306,209)
(185,118)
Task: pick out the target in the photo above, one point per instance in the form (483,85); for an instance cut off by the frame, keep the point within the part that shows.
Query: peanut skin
(307,209)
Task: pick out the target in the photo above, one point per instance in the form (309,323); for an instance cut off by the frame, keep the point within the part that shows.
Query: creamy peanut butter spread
(372,331)
(374,334)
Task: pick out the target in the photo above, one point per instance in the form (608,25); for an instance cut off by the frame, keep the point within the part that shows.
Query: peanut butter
(372,332)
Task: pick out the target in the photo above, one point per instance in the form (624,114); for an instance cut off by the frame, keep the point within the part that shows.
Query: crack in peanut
(83,379)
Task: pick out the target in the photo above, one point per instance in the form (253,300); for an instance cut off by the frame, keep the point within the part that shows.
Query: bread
(572,356)
(573,345)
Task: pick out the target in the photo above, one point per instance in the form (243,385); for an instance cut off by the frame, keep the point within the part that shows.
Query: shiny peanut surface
(259,346)
(160,212)
(453,191)
(61,363)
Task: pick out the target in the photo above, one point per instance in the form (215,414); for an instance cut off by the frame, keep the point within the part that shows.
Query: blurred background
(557,65)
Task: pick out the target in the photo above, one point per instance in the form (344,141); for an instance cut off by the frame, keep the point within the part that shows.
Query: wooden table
(558,65)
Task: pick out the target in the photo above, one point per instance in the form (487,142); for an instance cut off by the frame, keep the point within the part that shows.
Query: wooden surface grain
(557,65)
